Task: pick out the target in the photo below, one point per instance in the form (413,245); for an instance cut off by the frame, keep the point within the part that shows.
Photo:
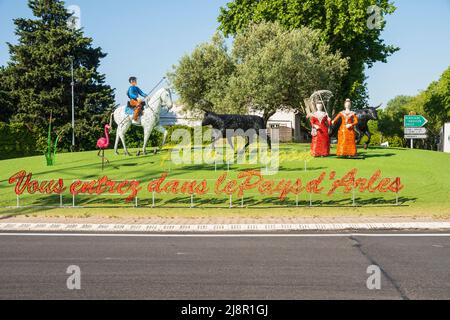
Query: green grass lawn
(425,175)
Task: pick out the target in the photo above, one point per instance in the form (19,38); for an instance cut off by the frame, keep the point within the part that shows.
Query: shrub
(17,141)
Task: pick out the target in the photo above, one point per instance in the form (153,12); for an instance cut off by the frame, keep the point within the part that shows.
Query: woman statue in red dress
(320,122)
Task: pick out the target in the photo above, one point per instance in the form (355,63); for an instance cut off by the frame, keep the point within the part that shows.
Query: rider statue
(135,105)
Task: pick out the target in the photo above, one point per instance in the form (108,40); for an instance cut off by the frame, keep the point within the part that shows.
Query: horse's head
(163,96)
(166,99)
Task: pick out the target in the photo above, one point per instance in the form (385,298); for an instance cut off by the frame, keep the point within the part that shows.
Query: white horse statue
(149,120)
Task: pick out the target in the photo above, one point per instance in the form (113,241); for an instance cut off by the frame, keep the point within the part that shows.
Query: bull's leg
(266,137)
(247,143)
(359,136)
(217,137)
(230,141)
(369,135)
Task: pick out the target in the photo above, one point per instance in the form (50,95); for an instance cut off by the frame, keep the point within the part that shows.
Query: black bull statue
(362,129)
(224,122)
(242,122)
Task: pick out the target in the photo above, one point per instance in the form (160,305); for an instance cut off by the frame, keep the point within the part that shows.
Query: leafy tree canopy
(268,69)
(391,119)
(438,98)
(276,69)
(348,26)
(433,103)
(201,78)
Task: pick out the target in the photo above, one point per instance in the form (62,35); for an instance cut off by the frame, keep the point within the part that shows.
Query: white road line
(207,228)
(342,235)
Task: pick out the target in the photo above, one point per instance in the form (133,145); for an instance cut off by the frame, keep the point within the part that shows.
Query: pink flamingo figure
(103,144)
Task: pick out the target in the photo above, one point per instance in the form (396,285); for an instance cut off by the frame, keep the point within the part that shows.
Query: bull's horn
(379,106)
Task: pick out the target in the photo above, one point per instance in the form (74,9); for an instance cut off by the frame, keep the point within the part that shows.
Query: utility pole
(73,23)
(73,105)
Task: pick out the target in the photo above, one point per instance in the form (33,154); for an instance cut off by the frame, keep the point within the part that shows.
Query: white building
(288,120)
(444,143)
(289,123)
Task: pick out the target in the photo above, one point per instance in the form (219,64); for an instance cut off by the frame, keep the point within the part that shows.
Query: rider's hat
(132,79)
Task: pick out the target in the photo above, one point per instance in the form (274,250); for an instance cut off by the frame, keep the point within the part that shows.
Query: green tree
(438,99)
(201,78)
(433,126)
(391,118)
(38,75)
(268,69)
(277,69)
(434,104)
(346,25)
(6,103)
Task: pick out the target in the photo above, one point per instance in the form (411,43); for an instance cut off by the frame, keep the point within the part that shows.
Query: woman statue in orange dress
(320,122)
(347,138)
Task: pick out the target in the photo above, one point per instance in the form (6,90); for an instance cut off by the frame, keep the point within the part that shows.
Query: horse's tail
(111,118)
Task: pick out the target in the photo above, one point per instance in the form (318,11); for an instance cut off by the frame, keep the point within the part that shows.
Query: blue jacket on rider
(134,92)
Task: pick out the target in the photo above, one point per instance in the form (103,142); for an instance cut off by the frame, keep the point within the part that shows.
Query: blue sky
(146,37)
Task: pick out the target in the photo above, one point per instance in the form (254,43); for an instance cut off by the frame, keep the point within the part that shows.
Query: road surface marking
(343,235)
(207,228)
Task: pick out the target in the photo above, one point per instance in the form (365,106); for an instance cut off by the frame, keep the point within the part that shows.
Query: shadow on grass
(53,202)
(381,201)
(301,169)
(377,155)
(23,211)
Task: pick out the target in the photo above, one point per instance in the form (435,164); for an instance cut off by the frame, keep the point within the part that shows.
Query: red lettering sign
(245,182)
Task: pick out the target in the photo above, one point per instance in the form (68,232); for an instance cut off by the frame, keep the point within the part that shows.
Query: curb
(151,228)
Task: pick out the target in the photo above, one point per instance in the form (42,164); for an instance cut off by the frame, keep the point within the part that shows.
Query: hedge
(17,141)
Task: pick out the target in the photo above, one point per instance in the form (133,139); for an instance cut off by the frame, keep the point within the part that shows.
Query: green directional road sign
(415,121)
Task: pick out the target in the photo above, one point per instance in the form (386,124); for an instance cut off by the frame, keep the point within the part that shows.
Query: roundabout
(325,186)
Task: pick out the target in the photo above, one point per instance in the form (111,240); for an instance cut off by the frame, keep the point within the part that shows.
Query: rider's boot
(136,115)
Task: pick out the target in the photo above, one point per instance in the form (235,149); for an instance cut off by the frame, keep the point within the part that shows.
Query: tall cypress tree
(6,103)
(38,76)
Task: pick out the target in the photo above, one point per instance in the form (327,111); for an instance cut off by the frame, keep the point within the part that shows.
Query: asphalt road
(263,267)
